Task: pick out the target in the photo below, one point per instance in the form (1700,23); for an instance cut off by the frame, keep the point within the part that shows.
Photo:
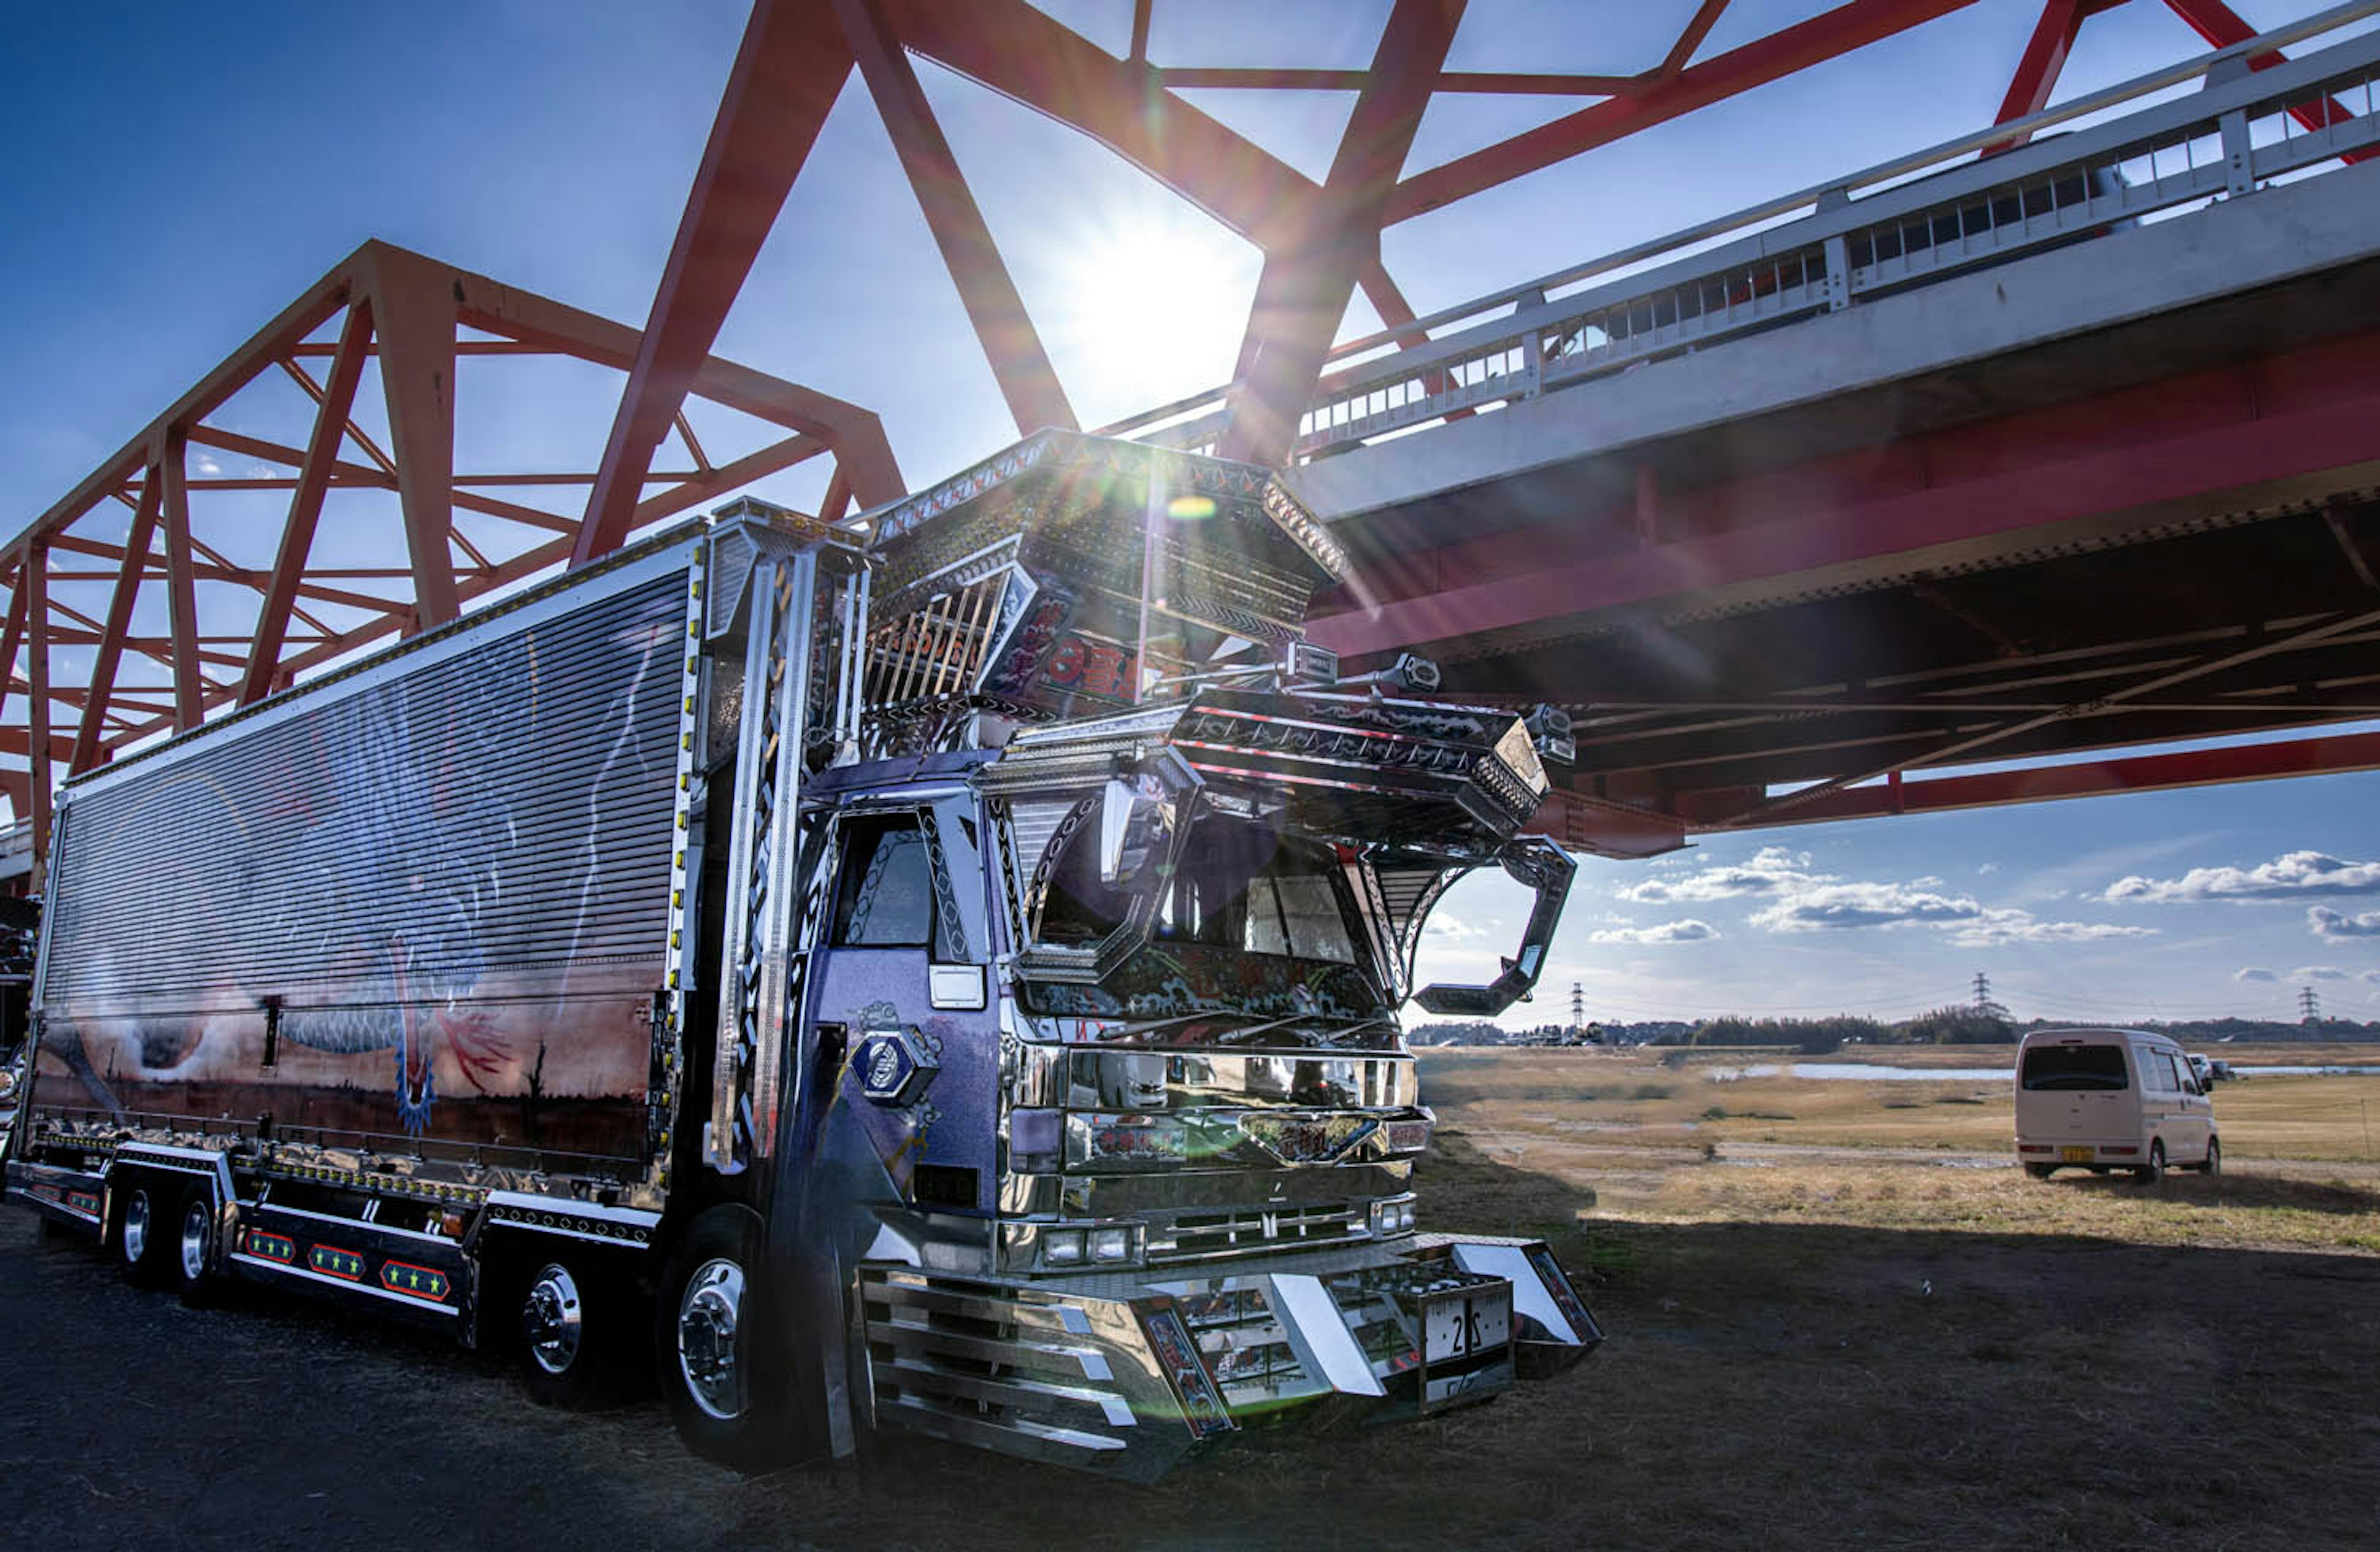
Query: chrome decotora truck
(936,971)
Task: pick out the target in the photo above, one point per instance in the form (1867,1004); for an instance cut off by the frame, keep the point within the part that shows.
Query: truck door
(906,972)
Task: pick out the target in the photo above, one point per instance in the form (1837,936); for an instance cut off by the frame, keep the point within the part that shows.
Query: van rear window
(2074,1067)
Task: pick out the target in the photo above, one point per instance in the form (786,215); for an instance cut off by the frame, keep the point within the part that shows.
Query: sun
(1151,305)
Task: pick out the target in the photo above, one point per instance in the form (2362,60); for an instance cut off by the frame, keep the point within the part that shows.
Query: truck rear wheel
(189,1258)
(710,1348)
(144,1226)
(573,1332)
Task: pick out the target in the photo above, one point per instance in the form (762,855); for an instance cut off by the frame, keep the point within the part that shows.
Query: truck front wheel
(709,1345)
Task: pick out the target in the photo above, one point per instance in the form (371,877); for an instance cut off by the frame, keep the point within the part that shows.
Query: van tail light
(2119,1147)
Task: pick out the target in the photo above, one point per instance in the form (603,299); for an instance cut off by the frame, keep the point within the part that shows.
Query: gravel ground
(1767,1385)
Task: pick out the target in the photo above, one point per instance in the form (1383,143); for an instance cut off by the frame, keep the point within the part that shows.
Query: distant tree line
(1940,1026)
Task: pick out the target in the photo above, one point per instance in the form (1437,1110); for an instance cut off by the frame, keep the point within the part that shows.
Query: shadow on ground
(1787,1386)
(2238,1191)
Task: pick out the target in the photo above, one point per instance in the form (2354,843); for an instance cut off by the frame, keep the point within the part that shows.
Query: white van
(2111,1100)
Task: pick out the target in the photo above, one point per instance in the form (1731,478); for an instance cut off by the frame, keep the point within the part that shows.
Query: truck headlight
(1061,1248)
(1397,1215)
(1111,1245)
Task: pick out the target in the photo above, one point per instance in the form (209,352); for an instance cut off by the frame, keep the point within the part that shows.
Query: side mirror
(1547,868)
(1135,825)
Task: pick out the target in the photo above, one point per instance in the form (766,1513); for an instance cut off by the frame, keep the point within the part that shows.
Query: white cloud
(1989,867)
(1820,907)
(207,465)
(1442,924)
(2000,928)
(2318,973)
(1687,931)
(2255,973)
(1770,870)
(2334,926)
(1794,899)
(2373,975)
(2292,876)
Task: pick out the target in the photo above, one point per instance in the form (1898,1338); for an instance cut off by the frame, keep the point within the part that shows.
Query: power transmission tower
(1577,1008)
(1984,1003)
(2308,1005)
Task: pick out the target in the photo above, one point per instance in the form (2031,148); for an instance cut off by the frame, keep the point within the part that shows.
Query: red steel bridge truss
(293,533)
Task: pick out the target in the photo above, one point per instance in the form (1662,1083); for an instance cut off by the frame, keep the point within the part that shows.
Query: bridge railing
(1938,213)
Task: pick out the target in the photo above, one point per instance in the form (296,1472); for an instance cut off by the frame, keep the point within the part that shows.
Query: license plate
(2075,1156)
(1463,1328)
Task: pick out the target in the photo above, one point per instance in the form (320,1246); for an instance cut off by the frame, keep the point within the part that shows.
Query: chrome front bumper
(1129,1374)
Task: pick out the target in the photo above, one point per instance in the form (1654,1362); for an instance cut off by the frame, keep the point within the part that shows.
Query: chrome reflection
(554,1318)
(708,1316)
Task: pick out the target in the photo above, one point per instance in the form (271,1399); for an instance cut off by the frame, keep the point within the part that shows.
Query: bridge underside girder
(2175,538)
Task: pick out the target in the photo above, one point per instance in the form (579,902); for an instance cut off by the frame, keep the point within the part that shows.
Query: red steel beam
(413,312)
(788,71)
(1019,364)
(1606,829)
(33,584)
(321,457)
(181,595)
(1017,51)
(2308,411)
(2038,68)
(2327,755)
(136,544)
(753,466)
(1839,31)
(1303,291)
(1682,53)
(2221,25)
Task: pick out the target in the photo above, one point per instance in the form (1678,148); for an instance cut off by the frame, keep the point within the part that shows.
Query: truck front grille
(1191,1236)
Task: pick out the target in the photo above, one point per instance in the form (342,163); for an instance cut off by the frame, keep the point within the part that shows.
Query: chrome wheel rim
(194,1240)
(554,1317)
(708,1315)
(136,1227)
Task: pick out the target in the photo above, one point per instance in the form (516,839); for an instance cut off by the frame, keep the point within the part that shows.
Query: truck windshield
(1276,907)
(2074,1067)
(1239,885)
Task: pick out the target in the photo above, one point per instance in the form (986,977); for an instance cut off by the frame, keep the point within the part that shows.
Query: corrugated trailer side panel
(431,901)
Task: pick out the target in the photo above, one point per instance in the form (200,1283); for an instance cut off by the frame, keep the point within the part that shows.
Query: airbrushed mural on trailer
(435,901)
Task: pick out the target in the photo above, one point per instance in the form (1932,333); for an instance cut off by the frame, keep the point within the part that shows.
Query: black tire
(2153,1171)
(2212,1163)
(190,1246)
(571,1323)
(711,1357)
(2041,1171)
(143,1231)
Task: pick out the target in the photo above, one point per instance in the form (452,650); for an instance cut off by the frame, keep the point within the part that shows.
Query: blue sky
(175,174)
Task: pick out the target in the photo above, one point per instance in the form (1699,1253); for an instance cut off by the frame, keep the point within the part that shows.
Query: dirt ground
(1831,1349)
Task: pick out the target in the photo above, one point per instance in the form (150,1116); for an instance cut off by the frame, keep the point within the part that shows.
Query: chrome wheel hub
(136,1227)
(708,1314)
(194,1240)
(554,1318)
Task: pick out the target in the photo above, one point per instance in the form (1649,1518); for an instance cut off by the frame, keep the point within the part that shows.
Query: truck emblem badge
(894,1070)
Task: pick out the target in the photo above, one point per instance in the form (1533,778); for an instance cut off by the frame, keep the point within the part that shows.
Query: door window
(888,897)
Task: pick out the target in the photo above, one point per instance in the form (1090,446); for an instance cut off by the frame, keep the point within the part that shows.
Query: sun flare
(1153,309)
